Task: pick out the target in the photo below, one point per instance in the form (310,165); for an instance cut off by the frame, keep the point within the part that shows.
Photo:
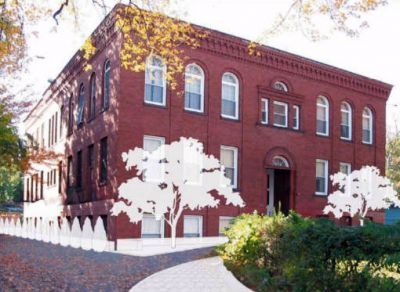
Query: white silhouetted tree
(171,179)
(360,191)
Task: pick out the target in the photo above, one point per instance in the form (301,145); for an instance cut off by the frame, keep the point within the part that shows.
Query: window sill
(279,128)
(232,119)
(320,195)
(156,105)
(194,112)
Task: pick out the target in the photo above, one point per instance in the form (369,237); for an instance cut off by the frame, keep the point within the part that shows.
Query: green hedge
(293,253)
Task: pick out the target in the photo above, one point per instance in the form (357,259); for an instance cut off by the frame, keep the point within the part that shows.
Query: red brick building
(280,123)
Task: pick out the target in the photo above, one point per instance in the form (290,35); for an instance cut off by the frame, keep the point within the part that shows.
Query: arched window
(322,116)
(346,120)
(106,84)
(70,114)
(367,123)
(81,105)
(230,96)
(279,85)
(92,98)
(280,161)
(194,88)
(155,81)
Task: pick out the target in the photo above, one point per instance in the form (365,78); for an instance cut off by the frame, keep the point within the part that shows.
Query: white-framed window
(367,124)
(264,111)
(151,227)
(92,97)
(296,117)
(81,105)
(230,96)
(229,159)
(192,164)
(345,121)
(154,169)
(279,85)
(321,175)
(106,84)
(194,88)
(322,116)
(345,168)
(280,114)
(223,224)
(192,226)
(155,83)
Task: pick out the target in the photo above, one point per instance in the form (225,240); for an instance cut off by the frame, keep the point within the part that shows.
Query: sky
(375,53)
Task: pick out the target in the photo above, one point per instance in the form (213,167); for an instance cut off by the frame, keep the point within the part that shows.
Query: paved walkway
(206,275)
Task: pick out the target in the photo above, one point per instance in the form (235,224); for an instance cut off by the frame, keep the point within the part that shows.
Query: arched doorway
(280,181)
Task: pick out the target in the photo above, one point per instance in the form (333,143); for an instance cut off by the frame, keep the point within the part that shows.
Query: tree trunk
(173,235)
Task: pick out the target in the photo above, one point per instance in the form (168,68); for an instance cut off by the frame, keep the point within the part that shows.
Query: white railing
(49,231)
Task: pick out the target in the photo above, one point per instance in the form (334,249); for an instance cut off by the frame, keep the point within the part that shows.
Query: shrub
(293,253)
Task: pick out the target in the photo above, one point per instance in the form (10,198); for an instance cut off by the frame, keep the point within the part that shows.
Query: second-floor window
(70,115)
(296,117)
(322,116)
(92,98)
(264,111)
(280,110)
(155,83)
(230,96)
(321,177)
(154,169)
(345,123)
(81,105)
(103,160)
(194,88)
(106,84)
(367,120)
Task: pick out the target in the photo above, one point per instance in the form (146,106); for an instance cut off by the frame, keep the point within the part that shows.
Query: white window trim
(348,165)
(192,76)
(296,113)
(264,108)
(235,163)
(236,85)
(164,81)
(347,111)
(325,193)
(162,140)
(286,114)
(200,223)
(326,109)
(370,125)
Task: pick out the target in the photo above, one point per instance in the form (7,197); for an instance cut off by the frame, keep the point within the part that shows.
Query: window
(192,164)
(322,116)
(280,110)
(345,168)
(79,169)
(152,228)
(154,169)
(92,98)
(279,85)
(280,161)
(224,222)
(367,126)
(70,114)
(155,81)
(296,117)
(81,105)
(192,226)
(345,124)
(194,88)
(103,160)
(229,157)
(230,96)
(321,171)
(264,111)
(69,172)
(106,84)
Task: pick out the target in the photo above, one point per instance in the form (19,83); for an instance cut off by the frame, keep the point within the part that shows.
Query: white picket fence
(49,231)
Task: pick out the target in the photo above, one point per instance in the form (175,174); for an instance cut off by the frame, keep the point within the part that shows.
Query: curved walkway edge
(205,275)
